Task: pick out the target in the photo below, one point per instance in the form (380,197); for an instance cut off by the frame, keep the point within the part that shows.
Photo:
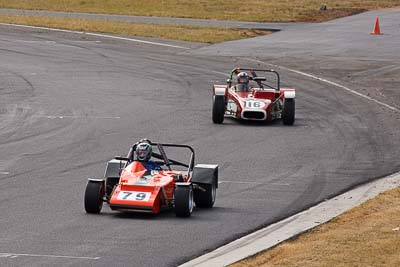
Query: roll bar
(162,156)
(252,71)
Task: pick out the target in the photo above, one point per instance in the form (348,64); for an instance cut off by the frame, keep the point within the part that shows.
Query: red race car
(154,184)
(248,96)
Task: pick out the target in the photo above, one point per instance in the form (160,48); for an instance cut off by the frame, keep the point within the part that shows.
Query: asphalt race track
(69,103)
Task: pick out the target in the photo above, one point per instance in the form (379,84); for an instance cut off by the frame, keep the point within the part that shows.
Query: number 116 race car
(146,180)
(248,96)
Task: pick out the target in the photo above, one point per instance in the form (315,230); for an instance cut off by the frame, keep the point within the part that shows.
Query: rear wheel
(218,110)
(288,111)
(183,201)
(205,199)
(94,197)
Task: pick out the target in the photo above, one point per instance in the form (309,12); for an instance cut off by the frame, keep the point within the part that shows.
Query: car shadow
(163,215)
(275,123)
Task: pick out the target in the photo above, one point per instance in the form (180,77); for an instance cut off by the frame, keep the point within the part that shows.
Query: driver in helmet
(242,82)
(143,153)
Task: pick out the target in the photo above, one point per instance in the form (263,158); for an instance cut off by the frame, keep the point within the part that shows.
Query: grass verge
(368,235)
(168,31)
(250,10)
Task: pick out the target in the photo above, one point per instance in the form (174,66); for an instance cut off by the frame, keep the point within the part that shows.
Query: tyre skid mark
(251,182)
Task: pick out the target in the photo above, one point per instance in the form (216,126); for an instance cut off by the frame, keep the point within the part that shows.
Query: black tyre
(94,197)
(183,201)
(288,111)
(205,199)
(218,110)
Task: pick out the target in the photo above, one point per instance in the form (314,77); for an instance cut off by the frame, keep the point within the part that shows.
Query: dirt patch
(327,14)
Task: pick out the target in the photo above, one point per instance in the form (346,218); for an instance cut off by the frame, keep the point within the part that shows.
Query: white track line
(65,117)
(75,117)
(4,172)
(292,226)
(329,82)
(219,72)
(95,34)
(15,255)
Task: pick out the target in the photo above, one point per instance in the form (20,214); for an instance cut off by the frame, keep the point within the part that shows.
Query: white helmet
(144,151)
(243,78)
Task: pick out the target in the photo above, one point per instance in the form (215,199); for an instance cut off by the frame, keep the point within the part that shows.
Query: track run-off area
(70,102)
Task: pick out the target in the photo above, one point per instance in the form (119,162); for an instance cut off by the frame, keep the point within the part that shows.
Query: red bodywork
(255,104)
(143,190)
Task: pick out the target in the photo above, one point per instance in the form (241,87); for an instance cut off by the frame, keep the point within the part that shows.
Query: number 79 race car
(248,96)
(155,184)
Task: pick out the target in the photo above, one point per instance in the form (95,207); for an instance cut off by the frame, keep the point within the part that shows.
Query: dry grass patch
(367,235)
(167,31)
(250,10)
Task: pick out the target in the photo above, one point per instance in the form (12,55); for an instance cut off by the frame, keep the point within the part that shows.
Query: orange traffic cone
(377,29)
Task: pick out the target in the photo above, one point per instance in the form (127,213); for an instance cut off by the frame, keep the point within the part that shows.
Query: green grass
(168,31)
(249,10)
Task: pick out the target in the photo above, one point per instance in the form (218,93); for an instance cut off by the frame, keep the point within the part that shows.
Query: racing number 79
(127,194)
(140,196)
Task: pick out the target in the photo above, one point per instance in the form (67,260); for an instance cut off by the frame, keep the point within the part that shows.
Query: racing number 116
(253,104)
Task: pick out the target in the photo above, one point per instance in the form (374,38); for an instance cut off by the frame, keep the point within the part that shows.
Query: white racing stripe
(329,82)
(15,255)
(95,34)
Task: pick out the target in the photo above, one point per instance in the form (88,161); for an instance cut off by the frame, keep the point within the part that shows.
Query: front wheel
(288,111)
(218,110)
(94,197)
(183,201)
(205,199)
